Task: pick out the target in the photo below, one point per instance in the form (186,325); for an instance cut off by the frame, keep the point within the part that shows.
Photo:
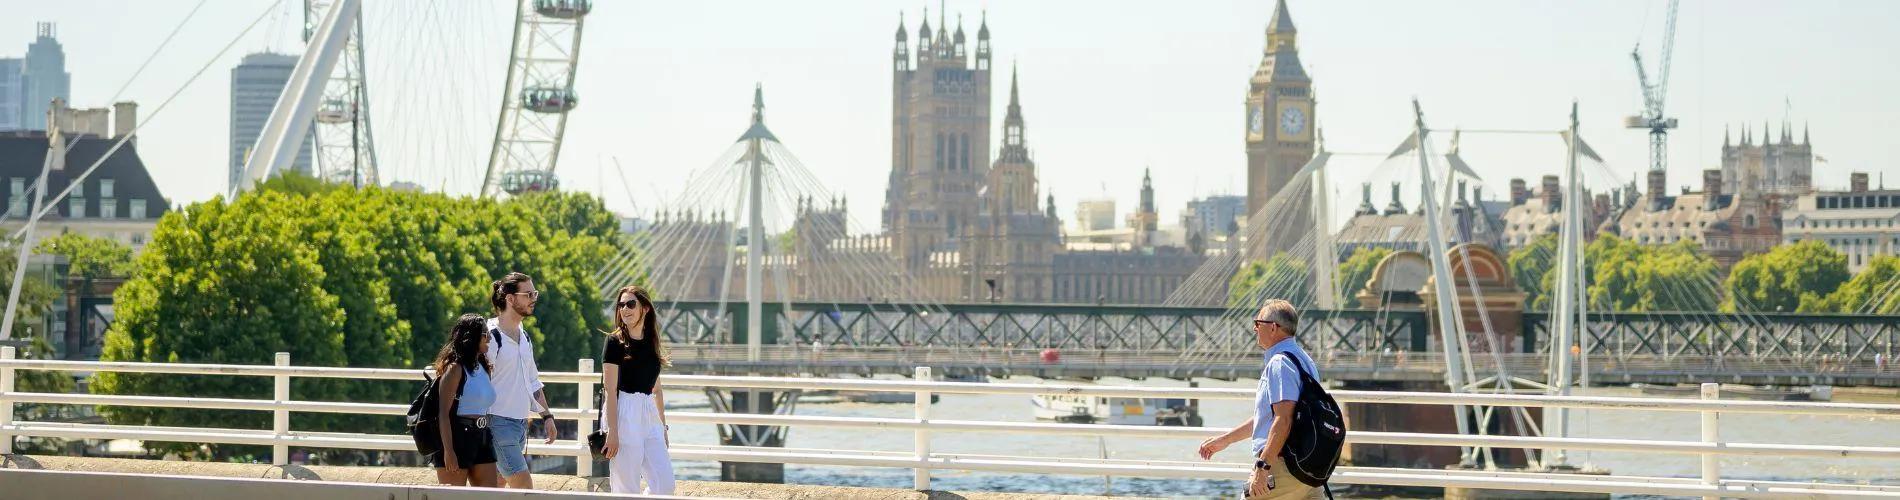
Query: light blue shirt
(477,395)
(1279,381)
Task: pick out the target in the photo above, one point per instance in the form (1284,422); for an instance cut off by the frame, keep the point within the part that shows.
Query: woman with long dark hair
(468,454)
(634,408)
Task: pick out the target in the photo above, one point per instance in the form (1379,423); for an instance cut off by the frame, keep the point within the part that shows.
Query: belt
(478,422)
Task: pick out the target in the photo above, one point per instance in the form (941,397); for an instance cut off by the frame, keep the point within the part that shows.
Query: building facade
(12,94)
(44,77)
(1781,166)
(940,138)
(256,83)
(1860,222)
(119,201)
(1214,216)
(1395,228)
(1728,226)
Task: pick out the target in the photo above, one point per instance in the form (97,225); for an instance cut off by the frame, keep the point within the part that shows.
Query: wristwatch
(547,415)
(1262,465)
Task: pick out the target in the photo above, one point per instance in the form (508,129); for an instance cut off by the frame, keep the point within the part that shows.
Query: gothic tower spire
(1280,29)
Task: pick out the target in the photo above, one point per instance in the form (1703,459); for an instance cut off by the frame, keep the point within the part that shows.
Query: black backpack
(421,419)
(1318,433)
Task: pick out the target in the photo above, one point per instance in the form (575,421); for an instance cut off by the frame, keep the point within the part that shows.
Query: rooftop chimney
(1658,184)
(1711,188)
(1857,182)
(125,117)
(1602,207)
(1518,192)
(1551,195)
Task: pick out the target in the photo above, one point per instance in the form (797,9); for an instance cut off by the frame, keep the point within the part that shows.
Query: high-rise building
(44,78)
(1214,215)
(255,84)
(12,93)
(1095,215)
(1279,133)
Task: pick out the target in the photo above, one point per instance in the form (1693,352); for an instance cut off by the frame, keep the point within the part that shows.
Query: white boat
(1114,411)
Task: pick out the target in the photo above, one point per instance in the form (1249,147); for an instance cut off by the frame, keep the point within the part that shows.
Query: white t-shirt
(515,376)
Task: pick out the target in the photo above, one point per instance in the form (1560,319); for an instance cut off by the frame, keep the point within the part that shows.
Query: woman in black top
(634,409)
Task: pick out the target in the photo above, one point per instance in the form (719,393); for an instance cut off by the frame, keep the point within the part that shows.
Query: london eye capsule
(335,111)
(548,99)
(529,181)
(563,9)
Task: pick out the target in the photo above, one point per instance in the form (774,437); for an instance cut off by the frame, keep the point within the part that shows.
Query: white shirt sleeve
(534,372)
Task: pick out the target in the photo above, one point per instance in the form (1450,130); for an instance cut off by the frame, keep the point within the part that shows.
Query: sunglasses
(628,304)
(1265,322)
(531,295)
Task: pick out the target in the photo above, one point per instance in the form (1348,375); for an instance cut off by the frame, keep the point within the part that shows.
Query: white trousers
(642,452)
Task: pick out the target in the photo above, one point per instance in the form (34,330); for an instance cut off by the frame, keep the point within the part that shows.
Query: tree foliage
(1529,264)
(1357,270)
(1280,277)
(1624,276)
(36,301)
(1790,278)
(345,277)
(1875,290)
(89,257)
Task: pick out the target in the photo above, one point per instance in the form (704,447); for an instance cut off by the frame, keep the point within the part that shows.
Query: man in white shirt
(518,389)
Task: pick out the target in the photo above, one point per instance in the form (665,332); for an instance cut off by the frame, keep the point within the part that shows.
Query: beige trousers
(1285,486)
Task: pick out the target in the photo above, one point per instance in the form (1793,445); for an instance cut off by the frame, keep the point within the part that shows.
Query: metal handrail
(281,437)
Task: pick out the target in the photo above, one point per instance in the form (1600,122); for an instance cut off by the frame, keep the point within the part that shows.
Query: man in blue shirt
(1279,388)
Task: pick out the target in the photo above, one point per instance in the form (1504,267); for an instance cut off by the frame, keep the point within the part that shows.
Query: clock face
(1256,120)
(1292,121)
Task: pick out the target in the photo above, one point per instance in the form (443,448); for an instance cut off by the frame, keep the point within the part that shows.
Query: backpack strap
(1297,366)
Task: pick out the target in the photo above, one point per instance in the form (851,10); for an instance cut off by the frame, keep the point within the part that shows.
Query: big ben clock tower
(1279,131)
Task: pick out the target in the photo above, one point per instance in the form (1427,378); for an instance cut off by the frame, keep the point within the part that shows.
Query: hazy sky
(1108,87)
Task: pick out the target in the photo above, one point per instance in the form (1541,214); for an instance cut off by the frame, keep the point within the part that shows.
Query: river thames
(1752,428)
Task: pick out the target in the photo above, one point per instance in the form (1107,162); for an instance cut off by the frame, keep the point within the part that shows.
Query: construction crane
(1654,95)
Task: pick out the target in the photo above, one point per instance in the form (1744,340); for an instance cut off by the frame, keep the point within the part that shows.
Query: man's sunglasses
(531,295)
(1265,322)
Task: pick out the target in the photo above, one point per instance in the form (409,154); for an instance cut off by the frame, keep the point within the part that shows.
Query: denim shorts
(511,438)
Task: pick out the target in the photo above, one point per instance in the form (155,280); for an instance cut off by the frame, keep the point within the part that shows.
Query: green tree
(1281,277)
(89,257)
(1358,269)
(298,183)
(1790,278)
(36,301)
(1624,276)
(1529,264)
(346,277)
(1872,291)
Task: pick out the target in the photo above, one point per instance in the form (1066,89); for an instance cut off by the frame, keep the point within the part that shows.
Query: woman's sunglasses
(629,303)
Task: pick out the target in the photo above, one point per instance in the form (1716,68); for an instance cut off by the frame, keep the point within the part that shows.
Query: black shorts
(473,445)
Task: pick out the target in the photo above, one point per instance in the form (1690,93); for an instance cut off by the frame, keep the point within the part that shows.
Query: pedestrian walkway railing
(923,459)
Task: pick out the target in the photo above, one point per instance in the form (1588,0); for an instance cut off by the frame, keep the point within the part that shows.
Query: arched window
(1748,221)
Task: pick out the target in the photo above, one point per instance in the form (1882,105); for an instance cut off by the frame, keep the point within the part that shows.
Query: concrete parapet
(416,476)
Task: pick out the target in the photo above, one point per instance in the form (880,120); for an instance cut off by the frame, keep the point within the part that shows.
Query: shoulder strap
(1297,365)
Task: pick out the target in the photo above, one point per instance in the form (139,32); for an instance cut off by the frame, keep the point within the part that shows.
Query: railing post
(280,418)
(1711,420)
(923,435)
(584,462)
(6,401)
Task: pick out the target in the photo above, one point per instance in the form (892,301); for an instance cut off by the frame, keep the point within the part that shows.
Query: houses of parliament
(967,226)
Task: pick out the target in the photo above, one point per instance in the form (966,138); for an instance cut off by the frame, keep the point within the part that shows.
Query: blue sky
(1109,87)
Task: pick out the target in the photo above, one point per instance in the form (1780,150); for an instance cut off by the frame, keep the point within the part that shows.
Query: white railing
(924,460)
